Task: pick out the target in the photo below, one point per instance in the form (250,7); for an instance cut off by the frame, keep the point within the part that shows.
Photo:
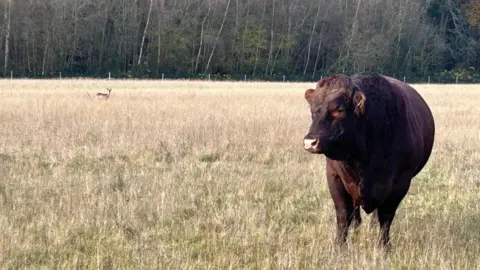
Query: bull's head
(336,105)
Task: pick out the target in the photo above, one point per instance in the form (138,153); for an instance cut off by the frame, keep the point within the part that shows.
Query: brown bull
(377,133)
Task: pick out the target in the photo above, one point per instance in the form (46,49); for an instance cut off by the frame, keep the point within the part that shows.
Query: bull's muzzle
(311,145)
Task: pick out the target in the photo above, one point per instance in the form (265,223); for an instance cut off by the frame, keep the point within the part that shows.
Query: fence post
(428,79)
(245,77)
(109,75)
(321,77)
(404,78)
(284,78)
(209,76)
(11,74)
(163,76)
(60,74)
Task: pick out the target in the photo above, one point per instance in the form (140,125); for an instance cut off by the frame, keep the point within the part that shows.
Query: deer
(104,96)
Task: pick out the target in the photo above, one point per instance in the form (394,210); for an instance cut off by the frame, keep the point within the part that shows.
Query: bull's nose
(310,144)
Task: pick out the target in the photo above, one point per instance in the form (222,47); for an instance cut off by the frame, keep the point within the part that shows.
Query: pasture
(212,175)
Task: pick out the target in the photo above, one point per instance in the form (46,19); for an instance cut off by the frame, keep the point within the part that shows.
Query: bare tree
(218,35)
(288,37)
(272,26)
(309,47)
(201,38)
(106,19)
(352,34)
(46,46)
(259,40)
(145,33)
(320,35)
(161,21)
(75,27)
(7,19)
(244,35)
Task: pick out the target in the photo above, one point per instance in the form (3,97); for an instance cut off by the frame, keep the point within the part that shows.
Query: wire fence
(441,78)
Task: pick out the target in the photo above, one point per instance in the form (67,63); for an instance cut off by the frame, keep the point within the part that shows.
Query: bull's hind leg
(386,214)
(386,211)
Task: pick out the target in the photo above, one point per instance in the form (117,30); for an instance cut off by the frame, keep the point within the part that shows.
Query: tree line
(257,38)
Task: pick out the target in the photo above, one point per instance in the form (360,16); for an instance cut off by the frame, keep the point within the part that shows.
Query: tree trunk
(326,11)
(399,36)
(145,33)
(201,39)
(27,45)
(352,35)
(161,21)
(75,22)
(318,52)
(104,33)
(259,41)
(7,35)
(270,50)
(275,58)
(310,40)
(218,35)
(123,49)
(242,54)
(45,52)
(289,30)
(235,29)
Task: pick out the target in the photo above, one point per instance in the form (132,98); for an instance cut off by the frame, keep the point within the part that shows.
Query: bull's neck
(354,168)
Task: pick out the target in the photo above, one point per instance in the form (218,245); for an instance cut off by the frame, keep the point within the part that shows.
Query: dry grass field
(199,175)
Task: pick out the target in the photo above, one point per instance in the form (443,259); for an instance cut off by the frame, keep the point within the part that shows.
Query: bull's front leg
(344,208)
(347,215)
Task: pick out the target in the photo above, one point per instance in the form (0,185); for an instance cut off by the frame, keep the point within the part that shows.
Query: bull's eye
(338,112)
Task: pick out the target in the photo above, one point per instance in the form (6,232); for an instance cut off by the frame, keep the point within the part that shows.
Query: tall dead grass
(196,175)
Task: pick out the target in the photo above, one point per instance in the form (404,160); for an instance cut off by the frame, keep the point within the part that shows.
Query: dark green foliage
(259,40)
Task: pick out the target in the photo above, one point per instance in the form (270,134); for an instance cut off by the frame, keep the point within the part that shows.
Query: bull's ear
(309,95)
(359,102)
